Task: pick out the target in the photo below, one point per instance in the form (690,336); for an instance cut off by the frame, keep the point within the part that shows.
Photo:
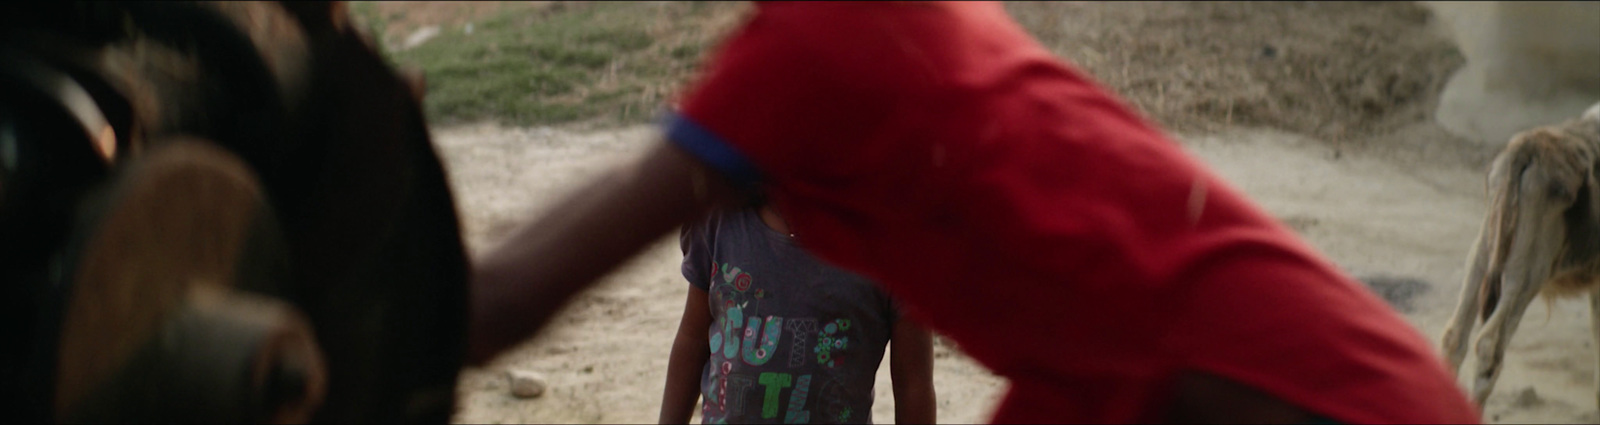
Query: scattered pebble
(526,384)
(1400,291)
(1527,398)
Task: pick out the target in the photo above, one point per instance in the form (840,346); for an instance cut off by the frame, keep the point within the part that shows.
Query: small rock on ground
(526,384)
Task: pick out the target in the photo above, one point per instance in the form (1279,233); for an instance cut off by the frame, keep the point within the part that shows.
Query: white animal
(1542,234)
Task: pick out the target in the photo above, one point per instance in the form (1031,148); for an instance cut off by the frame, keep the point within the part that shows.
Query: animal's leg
(1594,326)
(1467,309)
(1466,316)
(1497,332)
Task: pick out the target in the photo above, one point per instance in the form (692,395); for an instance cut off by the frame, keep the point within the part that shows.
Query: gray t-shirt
(793,340)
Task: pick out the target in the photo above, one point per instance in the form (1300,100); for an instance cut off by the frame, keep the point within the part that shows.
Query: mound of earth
(1338,71)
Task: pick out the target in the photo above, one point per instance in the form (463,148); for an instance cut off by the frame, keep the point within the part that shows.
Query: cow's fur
(339,143)
(1541,235)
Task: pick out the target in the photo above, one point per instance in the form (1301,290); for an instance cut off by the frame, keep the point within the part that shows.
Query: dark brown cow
(353,227)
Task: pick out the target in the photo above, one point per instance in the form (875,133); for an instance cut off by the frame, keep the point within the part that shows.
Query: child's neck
(772,219)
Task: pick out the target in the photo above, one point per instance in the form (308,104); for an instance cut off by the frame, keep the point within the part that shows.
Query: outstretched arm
(518,286)
(911,369)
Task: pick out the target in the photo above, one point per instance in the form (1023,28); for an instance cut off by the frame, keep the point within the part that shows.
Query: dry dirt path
(1388,214)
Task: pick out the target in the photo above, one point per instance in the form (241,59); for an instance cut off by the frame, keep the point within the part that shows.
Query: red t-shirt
(1018,208)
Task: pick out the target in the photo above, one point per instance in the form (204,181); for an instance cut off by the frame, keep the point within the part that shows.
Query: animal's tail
(1503,226)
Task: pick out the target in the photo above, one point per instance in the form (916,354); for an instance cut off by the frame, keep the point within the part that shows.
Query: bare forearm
(518,286)
(915,404)
(911,369)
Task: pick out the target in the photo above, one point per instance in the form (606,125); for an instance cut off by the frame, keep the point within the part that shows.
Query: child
(792,340)
(1012,205)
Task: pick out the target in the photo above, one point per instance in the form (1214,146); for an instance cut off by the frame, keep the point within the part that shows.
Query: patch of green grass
(601,62)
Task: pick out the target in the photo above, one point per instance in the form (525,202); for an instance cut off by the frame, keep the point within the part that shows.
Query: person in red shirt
(1013,205)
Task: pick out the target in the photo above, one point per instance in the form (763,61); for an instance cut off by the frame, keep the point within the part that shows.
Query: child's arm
(689,354)
(911,369)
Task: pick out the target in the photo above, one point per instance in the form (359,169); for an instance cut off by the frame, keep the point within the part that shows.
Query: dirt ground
(1358,167)
(605,357)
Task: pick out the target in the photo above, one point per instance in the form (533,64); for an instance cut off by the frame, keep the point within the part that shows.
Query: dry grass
(1335,70)
(594,63)
(1338,71)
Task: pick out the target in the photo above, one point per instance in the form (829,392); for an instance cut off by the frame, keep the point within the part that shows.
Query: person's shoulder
(739,220)
(718,221)
(701,231)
